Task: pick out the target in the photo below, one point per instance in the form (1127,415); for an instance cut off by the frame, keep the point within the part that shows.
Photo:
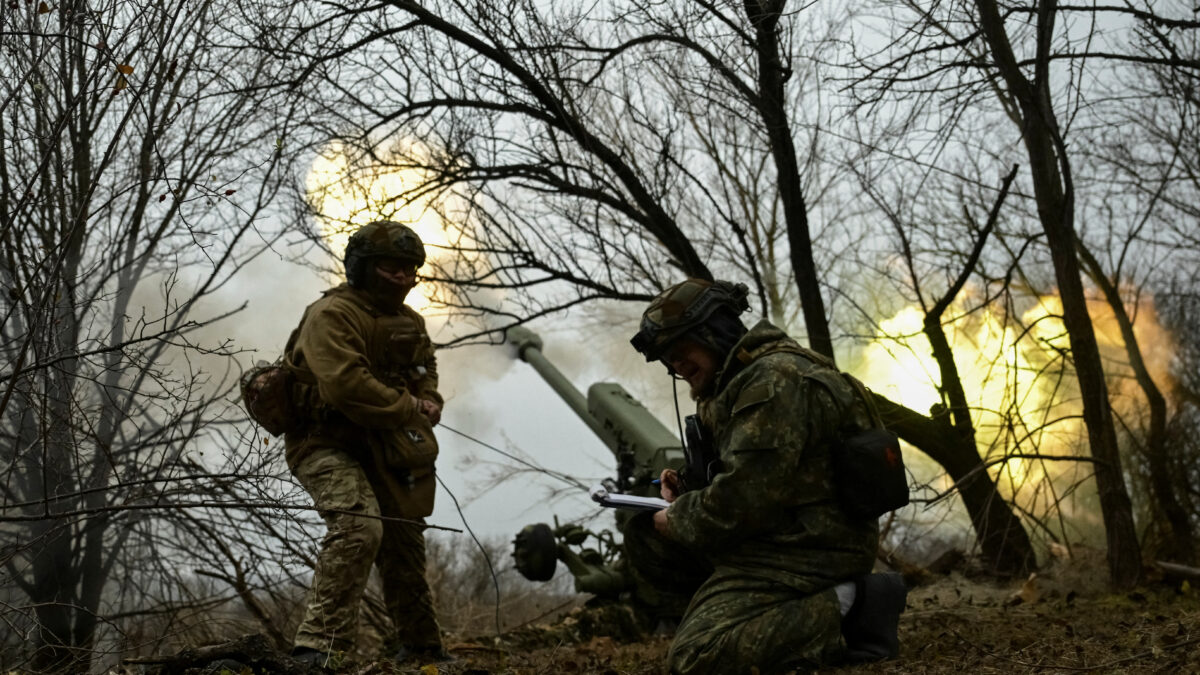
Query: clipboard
(617,500)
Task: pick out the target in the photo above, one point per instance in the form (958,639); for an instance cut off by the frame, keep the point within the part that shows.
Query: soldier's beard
(703,391)
(702,388)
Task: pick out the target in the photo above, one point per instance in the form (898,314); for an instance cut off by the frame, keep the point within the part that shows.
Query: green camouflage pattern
(770,523)
(665,573)
(683,307)
(739,624)
(365,450)
(355,539)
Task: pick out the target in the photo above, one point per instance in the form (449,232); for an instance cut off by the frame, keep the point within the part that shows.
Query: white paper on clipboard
(616,500)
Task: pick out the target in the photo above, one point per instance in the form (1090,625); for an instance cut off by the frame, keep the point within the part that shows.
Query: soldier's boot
(314,659)
(423,655)
(871,627)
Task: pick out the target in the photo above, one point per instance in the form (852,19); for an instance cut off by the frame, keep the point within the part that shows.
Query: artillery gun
(642,447)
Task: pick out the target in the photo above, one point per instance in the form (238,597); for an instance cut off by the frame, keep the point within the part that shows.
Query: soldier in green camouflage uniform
(367,390)
(781,553)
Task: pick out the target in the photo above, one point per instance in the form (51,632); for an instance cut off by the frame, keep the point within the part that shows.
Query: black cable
(678,421)
(569,480)
(486,558)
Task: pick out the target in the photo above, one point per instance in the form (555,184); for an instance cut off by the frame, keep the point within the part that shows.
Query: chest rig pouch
(868,469)
(398,348)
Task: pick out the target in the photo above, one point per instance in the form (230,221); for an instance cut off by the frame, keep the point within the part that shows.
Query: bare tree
(1051,171)
(1048,71)
(134,175)
(593,153)
(934,269)
(1152,164)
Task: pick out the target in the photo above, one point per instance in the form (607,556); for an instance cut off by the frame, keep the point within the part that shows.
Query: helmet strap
(720,332)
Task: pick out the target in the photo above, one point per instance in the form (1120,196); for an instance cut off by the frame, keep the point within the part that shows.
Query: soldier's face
(693,362)
(396,277)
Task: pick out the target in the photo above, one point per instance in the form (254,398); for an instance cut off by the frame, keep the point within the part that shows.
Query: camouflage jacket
(772,512)
(357,363)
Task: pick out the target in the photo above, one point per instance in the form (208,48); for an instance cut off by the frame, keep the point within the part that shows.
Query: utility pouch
(868,473)
(404,466)
(406,493)
(268,390)
(416,500)
(701,461)
(267,397)
(409,447)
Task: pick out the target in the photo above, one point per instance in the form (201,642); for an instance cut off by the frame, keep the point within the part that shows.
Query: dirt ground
(1062,620)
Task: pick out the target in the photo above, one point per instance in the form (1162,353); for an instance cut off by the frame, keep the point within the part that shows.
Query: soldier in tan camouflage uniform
(368,392)
(780,555)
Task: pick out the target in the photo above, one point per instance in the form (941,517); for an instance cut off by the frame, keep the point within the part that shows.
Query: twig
(213,505)
(1081,669)
(1181,570)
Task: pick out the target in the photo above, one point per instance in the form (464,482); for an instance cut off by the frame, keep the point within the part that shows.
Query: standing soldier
(775,567)
(367,394)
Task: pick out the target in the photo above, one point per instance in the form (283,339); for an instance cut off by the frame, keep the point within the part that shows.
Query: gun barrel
(529,350)
(641,443)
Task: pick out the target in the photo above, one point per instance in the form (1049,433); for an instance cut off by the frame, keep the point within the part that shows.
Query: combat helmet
(380,239)
(683,307)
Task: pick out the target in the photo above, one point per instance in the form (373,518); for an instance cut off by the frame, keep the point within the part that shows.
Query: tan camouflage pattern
(365,449)
(769,522)
(355,539)
(670,307)
(360,363)
(683,307)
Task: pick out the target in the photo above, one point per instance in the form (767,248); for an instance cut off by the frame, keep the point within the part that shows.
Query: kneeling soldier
(776,569)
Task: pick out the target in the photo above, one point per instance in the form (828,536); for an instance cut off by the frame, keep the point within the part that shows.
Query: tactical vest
(400,460)
(868,467)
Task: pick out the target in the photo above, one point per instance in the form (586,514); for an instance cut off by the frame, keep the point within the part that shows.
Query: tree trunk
(1181,545)
(1054,192)
(772,106)
(1003,542)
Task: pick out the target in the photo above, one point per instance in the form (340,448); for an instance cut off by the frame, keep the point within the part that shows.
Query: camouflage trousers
(735,620)
(352,544)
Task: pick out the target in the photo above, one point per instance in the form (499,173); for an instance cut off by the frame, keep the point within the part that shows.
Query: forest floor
(955,627)
(1062,620)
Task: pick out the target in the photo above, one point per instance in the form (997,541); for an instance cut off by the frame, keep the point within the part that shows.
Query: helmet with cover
(380,239)
(688,307)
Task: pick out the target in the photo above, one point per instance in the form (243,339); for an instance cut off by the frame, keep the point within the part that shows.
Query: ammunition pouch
(410,491)
(868,473)
(408,447)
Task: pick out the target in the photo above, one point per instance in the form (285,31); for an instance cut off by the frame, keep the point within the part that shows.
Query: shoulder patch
(757,393)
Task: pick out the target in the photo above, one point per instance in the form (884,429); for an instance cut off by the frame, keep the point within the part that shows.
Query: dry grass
(1063,621)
